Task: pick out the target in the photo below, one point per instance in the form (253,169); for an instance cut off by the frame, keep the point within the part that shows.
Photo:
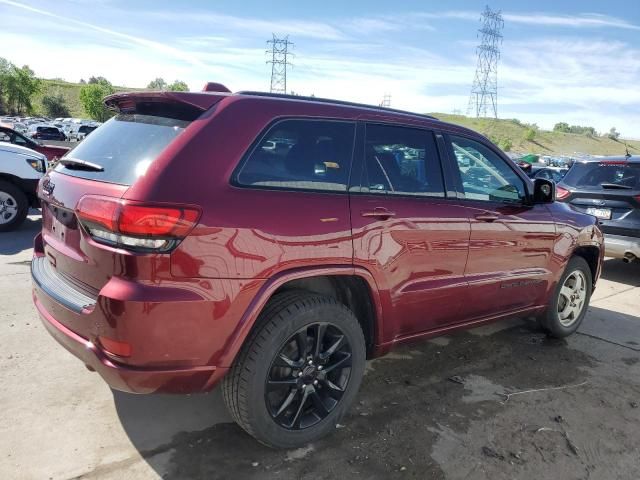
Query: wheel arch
(592,254)
(351,286)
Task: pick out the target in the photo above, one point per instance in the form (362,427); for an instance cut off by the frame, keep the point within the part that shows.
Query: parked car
(47,132)
(609,189)
(278,271)
(20,171)
(550,173)
(83,131)
(52,152)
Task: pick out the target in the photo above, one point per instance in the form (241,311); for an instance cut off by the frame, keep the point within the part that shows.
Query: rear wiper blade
(615,185)
(74,163)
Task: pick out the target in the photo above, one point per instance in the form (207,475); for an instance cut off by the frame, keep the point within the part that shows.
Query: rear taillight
(136,226)
(561,193)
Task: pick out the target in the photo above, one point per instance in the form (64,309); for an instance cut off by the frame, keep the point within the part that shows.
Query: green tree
(179,86)
(92,99)
(530,134)
(613,134)
(5,69)
(20,85)
(157,84)
(561,127)
(98,80)
(55,105)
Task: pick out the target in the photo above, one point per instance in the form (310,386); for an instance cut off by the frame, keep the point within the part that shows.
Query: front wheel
(570,301)
(299,371)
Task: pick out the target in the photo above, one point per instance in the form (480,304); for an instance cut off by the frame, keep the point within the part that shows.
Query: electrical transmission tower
(484,92)
(386,100)
(279,62)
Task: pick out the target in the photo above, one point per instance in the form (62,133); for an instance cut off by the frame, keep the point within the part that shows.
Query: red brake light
(156,221)
(561,193)
(99,211)
(133,225)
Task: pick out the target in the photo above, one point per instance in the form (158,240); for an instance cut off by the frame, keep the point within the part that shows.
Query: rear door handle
(487,217)
(378,212)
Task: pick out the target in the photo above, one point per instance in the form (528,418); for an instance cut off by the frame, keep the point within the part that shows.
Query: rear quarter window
(302,155)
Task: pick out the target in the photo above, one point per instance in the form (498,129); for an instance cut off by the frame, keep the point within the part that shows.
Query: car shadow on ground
(21,239)
(618,271)
(397,418)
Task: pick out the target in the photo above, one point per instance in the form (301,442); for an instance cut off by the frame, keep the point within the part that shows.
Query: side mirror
(544,191)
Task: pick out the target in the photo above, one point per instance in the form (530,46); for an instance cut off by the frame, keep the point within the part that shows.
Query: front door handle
(378,212)
(487,217)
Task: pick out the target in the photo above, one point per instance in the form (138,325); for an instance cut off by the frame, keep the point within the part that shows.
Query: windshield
(124,147)
(605,174)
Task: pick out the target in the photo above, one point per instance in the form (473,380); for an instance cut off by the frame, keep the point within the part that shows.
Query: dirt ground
(498,402)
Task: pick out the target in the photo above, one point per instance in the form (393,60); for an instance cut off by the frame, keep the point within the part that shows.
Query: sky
(574,61)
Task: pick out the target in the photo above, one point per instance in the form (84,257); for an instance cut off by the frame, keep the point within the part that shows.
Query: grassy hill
(70,91)
(545,142)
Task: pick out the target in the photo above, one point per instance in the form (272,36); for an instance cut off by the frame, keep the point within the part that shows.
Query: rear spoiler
(195,101)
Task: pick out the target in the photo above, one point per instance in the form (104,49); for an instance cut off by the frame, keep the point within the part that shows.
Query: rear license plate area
(602,213)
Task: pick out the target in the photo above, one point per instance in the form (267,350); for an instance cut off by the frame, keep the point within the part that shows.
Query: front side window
(402,161)
(485,176)
(301,154)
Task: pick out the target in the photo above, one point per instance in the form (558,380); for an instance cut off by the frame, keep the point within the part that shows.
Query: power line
(279,62)
(484,92)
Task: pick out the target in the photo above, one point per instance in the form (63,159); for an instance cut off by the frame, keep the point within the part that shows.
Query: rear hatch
(607,189)
(89,234)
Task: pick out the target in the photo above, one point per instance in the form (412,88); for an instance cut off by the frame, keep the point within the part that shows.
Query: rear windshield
(605,174)
(124,147)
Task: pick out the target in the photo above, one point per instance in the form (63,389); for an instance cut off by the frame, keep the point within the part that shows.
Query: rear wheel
(570,301)
(13,206)
(298,372)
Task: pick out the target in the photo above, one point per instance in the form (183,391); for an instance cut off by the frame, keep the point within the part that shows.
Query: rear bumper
(126,378)
(617,246)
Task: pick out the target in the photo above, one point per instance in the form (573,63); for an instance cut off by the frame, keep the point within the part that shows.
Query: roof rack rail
(334,102)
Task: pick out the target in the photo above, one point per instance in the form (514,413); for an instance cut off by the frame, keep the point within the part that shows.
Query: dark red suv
(275,242)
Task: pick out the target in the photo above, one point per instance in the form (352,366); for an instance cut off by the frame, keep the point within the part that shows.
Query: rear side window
(301,154)
(605,174)
(402,161)
(125,146)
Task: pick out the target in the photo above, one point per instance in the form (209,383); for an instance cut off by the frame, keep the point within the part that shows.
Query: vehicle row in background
(59,129)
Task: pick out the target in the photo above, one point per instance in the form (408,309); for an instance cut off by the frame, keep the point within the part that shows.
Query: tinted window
(402,161)
(611,174)
(301,154)
(124,146)
(484,175)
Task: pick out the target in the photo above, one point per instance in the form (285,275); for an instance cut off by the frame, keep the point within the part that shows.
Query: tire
(286,318)
(555,321)
(14,206)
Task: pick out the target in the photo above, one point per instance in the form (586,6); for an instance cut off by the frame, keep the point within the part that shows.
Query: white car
(20,171)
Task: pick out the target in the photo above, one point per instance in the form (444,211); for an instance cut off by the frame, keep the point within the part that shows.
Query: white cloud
(586,20)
